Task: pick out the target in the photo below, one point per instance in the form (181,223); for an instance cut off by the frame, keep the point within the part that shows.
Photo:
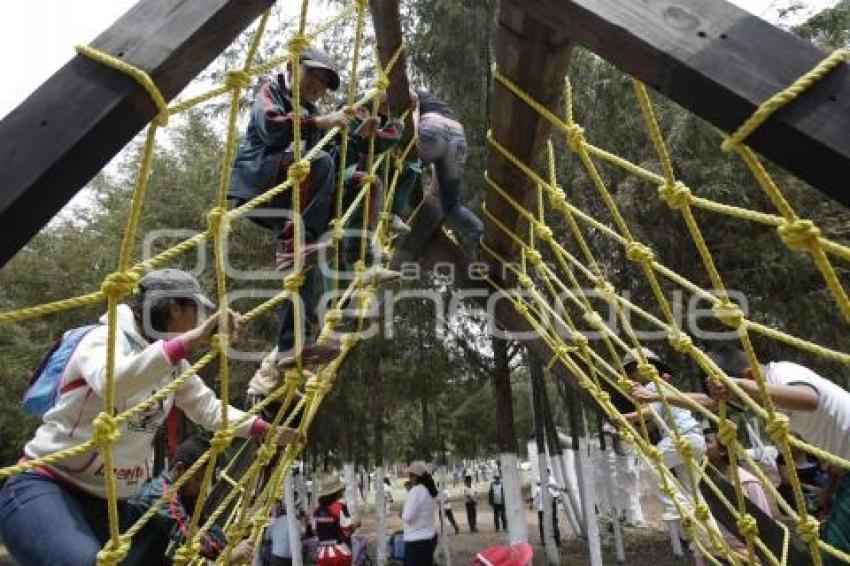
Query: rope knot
(384,217)
(236,533)
(593,320)
(603,397)
(370,179)
(333,317)
(728,313)
(676,195)
(607,291)
(809,530)
(639,253)
(747,526)
(292,378)
(359,267)
(525,281)
(111,555)
(626,436)
(580,340)
(298,43)
(680,341)
(727,432)
(575,136)
(799,235)
(215,217)
(627,385)
(105,430)
(219,342)
(654,454)
(119,284)
(221,440)
(684,447)
(647,371)
(293,282)
(778,428)
(383,82)
(543,232)
(187,552)
(558,200)
(237,79)
(298,172)
(702,512)
(535,257)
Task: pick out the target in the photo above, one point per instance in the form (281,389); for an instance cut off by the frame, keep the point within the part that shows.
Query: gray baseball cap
(174,282)
(315,58)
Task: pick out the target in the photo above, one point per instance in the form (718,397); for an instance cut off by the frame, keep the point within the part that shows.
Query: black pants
(471,516)
(555,528)
(499,512)
(451,518)
(420,552)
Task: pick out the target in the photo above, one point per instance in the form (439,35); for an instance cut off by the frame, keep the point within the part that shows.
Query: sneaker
(311,353)
(398,226)
(286,259)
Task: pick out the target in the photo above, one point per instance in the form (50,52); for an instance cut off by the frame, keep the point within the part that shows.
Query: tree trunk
(588,494)
(537,385)
(556,456)
(378,395)
(507,444)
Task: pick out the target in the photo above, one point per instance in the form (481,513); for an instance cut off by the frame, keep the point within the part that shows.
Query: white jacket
(141,369)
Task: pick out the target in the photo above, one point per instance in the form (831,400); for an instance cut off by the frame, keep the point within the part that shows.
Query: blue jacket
(266,149)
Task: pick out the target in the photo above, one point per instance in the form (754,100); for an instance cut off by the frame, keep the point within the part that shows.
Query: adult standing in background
(420,506)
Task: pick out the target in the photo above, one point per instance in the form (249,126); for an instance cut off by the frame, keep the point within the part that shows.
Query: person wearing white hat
(333,525)
(420,507)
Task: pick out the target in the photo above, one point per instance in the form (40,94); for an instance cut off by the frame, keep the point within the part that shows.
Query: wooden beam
(387,22)
(721,62)
(527,53)
(67,130)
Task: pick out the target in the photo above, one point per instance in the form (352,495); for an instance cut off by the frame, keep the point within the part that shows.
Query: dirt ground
(648,544)
(645,545)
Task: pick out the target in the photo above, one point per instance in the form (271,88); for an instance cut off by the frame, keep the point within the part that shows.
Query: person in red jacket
(333,526)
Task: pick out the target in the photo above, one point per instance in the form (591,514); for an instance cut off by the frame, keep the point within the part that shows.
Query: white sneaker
(267,377)
(398,226)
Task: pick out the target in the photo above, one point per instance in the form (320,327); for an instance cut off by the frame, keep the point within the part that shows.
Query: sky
(38,36)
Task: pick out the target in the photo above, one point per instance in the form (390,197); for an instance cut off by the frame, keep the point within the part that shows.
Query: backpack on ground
(45,386)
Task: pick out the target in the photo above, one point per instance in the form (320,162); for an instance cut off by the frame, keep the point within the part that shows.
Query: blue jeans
(444,145)
(42,522)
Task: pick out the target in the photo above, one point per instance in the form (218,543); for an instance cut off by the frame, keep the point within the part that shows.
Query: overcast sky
(37,36)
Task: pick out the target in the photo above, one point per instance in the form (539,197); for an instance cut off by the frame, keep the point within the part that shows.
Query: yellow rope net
(548,292)
(253,505)
(546,295)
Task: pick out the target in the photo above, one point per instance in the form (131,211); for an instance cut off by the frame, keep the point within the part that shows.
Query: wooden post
(73,124)
(527,52)
(720,62)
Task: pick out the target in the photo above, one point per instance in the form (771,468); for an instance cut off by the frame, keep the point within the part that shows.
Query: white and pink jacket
(141,368)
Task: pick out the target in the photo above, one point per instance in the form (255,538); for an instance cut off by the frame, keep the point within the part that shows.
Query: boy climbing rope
(263,162)
(168,528)
(442,143)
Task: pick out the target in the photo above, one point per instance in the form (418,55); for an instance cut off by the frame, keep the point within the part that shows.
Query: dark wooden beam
(67,130)
(528,53)
(721,62)
(387,22)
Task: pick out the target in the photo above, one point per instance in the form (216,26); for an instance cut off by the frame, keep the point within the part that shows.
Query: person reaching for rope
(817,409)
(167,530)
(442,143)
(678,418)
(263,162)
(58,512)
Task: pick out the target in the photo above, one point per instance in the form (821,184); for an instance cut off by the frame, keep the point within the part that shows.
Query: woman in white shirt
(420,506)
